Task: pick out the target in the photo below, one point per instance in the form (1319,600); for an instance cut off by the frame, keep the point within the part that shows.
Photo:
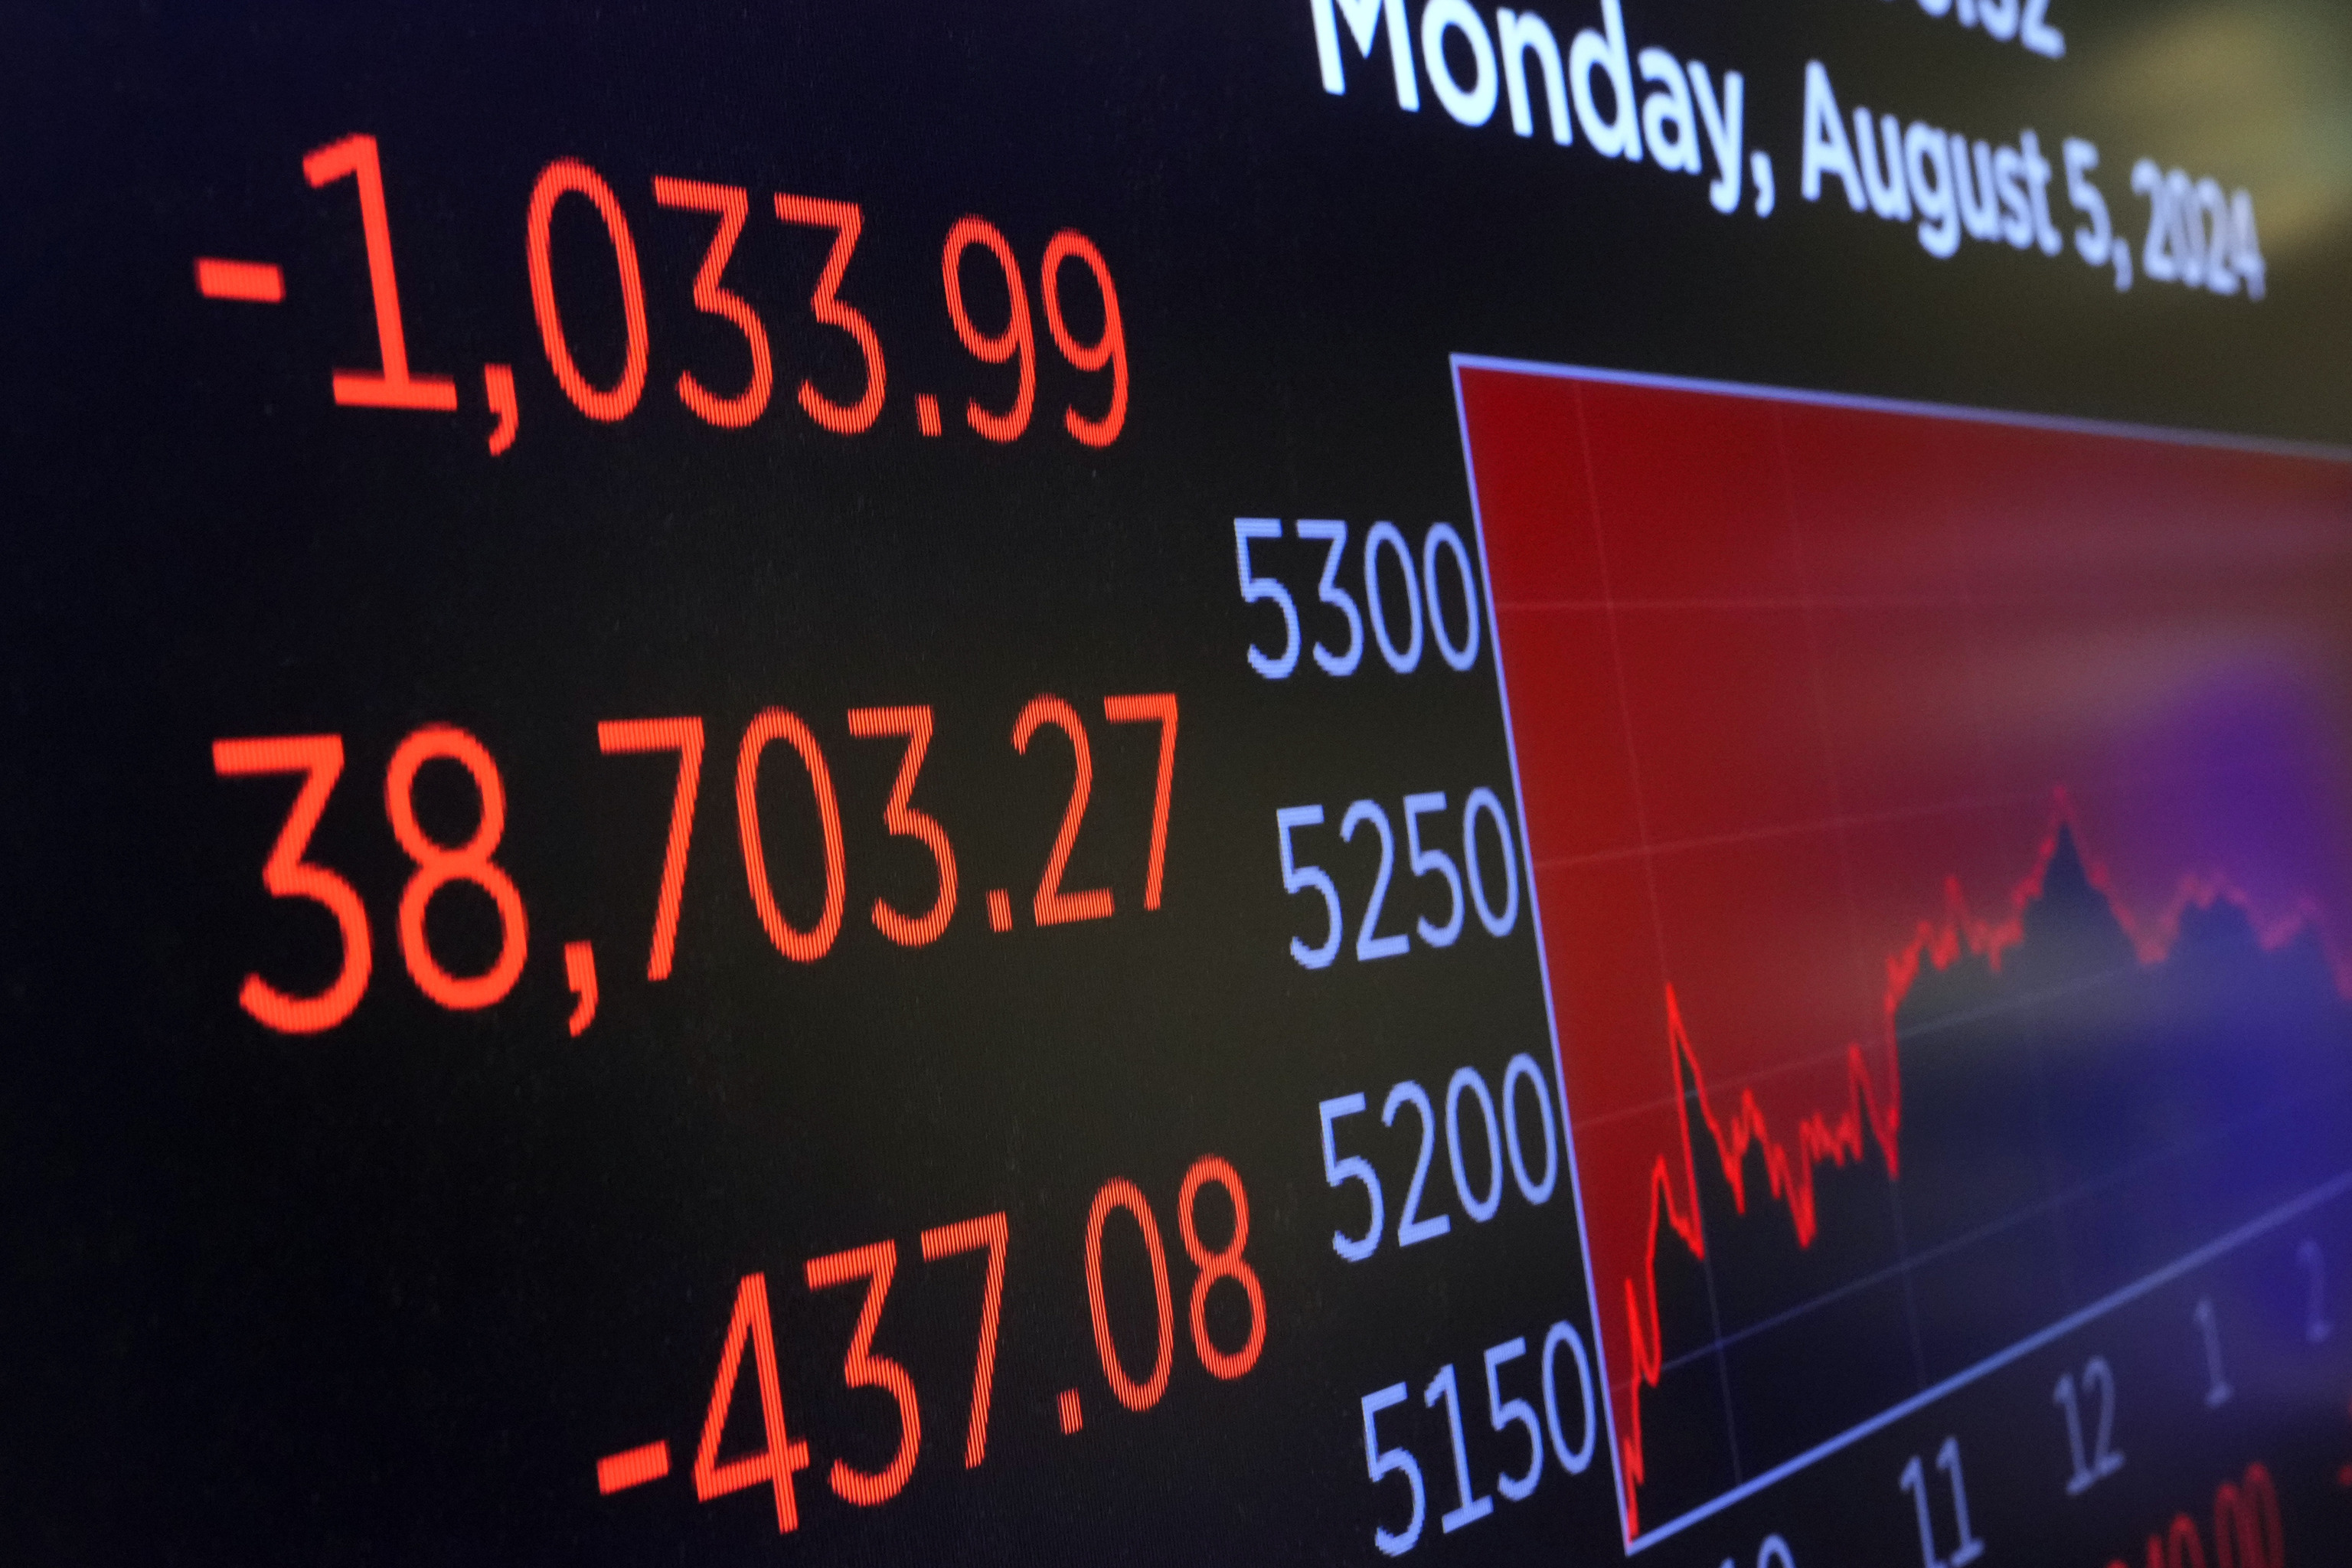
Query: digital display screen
(1309,782)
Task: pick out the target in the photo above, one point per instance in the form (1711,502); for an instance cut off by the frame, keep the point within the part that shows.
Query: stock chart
(1309,782)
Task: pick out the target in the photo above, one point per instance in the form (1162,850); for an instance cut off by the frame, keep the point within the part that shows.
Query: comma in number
(498,390)
(580,970)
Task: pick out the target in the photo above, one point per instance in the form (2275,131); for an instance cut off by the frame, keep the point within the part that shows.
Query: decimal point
(1000,909)
(927,420)
(1074,1415)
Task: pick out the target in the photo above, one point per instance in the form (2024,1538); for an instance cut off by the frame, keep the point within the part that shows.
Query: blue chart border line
(2112,428)
(1543,964)
(2331,1189)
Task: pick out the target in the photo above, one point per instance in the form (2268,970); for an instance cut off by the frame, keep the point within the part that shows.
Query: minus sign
(632,1468)
(256,282)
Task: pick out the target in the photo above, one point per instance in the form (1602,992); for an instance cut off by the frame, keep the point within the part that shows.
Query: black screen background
(384,1295)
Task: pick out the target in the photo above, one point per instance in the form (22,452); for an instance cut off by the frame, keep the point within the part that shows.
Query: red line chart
(1835,1134)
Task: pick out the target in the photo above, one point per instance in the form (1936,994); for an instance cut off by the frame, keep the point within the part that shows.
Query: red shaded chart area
(1847,732)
